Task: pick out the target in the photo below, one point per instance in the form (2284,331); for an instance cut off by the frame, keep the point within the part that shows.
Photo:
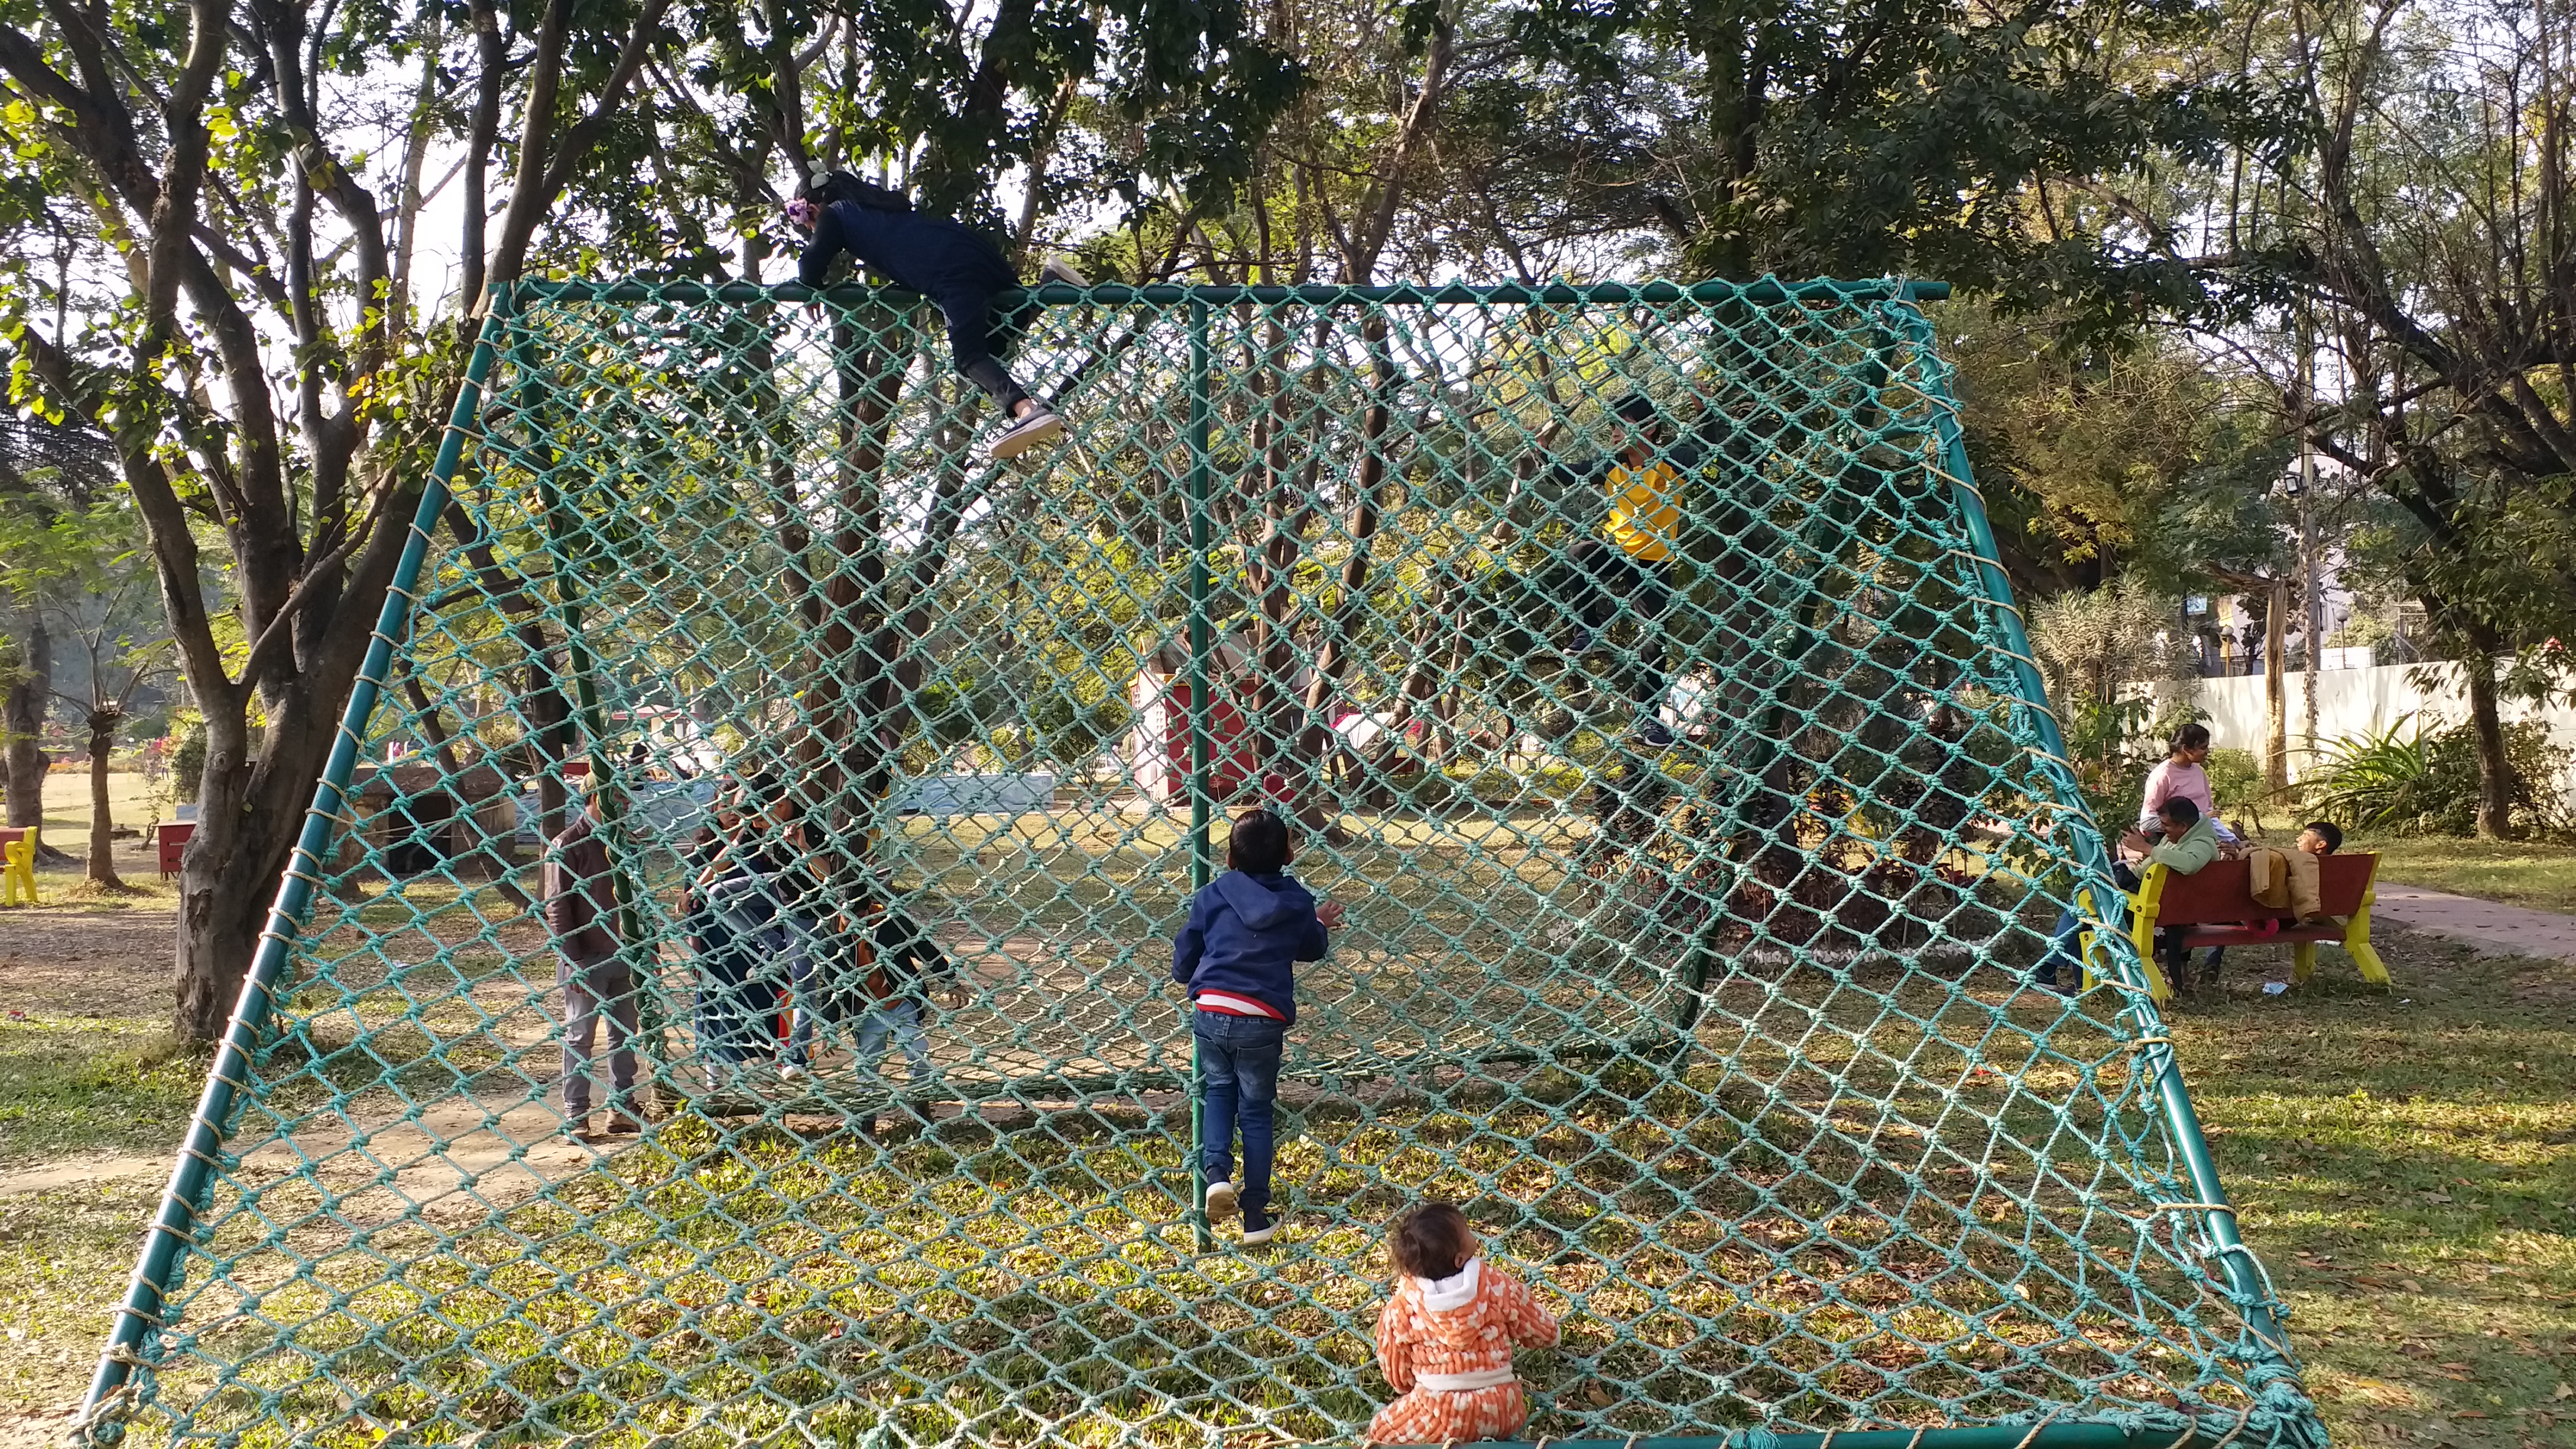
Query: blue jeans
(2061,953)
(901,1019)
(2061,947)
(734,1005)
(771,934)
(1239,1082)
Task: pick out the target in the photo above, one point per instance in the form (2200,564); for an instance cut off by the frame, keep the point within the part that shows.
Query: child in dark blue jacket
(952,265)
(1238,957)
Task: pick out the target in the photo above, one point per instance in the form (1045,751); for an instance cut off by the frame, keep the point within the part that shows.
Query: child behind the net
(1445,1340)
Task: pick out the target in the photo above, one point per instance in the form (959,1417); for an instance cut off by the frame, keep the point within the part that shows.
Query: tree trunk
(1333,655)
(2495,772)
(24,725)
(248,813)
(2276,737)
(102,829)
(549,722)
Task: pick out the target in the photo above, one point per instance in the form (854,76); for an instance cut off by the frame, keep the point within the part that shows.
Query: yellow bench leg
(2158,989)
(2356,940)
(2144,938)
(2303,961)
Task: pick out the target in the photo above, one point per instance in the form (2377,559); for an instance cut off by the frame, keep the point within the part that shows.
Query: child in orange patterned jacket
(1445,1341)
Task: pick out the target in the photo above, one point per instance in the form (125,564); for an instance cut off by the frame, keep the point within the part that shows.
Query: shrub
(188,765)
(2121,677)
(1070,731)
(2410,781)
(2236,785)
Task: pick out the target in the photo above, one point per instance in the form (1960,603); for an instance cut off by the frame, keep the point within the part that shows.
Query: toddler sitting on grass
(1445,1341)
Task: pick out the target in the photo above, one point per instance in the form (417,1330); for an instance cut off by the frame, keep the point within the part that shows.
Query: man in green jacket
(2187,843)
(2190,842)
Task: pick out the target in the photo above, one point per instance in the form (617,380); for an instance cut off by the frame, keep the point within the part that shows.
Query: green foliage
(2088,454)
(188,761)
(1070,731)
(2236,785)
(2121,679)
(2092,643)
(1836,136)
(2407,780)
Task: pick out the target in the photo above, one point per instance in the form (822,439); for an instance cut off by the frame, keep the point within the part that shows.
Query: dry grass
(1713,1237)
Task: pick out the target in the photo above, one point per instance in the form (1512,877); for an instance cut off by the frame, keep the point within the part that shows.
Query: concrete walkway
(2510,930)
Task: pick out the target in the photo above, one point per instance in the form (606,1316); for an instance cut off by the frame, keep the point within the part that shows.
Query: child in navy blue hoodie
(1238,957)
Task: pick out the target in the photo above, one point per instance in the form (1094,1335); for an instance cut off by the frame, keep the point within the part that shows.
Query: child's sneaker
(1061,269)
(1258,1228)
(1220,1200)
(1039,426)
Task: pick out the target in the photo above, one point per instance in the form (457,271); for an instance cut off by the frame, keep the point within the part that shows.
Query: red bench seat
(2215,906)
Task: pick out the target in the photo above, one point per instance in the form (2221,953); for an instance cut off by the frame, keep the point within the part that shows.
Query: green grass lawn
(2518,873)
(2402,1162)
(77,1086)
(130,803)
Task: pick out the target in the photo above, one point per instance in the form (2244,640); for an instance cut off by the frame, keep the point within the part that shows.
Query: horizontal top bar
(2078,1434)
(1110,294)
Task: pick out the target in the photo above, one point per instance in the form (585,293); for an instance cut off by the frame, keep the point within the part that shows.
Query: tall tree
(46,470)
(99,594)
(2427,231)
(1923,137)
(241,350)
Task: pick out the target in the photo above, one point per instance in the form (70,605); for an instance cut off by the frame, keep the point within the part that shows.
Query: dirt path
(86,962)
(2507,930)
(72,962)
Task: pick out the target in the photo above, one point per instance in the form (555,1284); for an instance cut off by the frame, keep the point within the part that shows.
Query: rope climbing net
(1631,662)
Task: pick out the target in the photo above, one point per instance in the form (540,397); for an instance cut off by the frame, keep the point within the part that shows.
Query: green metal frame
(173,1225)
(1202,720)
(2154,1048)
(139,1317)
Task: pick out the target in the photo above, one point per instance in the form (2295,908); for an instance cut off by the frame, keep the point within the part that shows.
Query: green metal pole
(2155,1053)
(174,1226)
(1202,749)
(2182,1433)
(1171,294)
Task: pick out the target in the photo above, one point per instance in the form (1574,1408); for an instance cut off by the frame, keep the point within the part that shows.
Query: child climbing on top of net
(949,263)
(1445,1340)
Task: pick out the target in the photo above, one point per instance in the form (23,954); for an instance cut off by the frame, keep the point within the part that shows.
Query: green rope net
(1698,846)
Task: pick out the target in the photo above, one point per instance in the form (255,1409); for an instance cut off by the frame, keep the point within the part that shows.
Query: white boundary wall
(2353,702)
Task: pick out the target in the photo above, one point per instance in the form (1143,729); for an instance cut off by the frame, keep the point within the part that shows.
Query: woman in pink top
(2182,776)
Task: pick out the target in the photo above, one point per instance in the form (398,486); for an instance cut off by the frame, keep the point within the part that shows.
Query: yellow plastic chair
(18,867)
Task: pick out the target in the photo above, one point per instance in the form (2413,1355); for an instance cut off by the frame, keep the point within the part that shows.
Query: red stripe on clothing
(1226,1003)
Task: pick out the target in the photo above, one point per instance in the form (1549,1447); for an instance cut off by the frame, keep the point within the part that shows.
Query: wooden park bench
(2216,904)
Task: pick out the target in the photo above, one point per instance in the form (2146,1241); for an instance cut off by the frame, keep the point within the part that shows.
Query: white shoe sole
(1057,269)
(1220,1200)
(1255,1237)
(1021,439)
